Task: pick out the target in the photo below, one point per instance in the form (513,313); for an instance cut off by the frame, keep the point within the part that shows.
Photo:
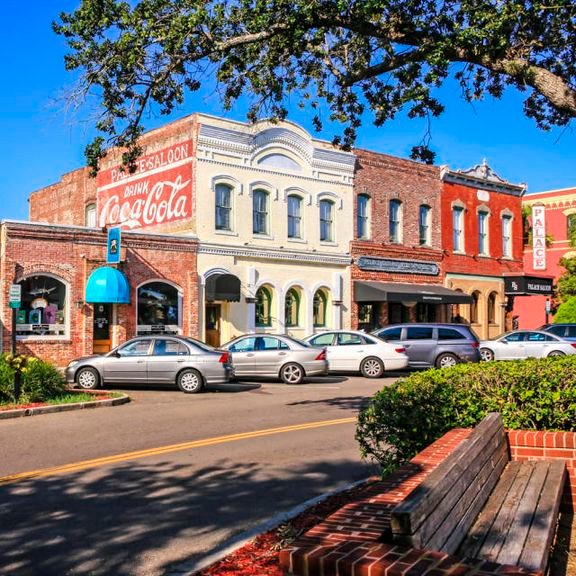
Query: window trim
(256,194)
(507,240)
(267,293)
(483,217)
(458,233)
(425,239)
(365,201)
(292,292)
(299,218)
(321,294)
(230,208)
(92,209)
(329,223)
(395,226)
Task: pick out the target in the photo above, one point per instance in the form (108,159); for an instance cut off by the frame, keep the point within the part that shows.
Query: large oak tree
(336,55)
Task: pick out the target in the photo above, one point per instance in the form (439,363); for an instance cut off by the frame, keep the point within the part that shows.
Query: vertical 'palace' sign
(157,193)
(538,238)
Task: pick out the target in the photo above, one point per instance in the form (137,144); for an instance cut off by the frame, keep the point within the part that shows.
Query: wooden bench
(479,504)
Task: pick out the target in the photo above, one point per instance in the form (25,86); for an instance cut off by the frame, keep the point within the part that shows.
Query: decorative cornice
(481,176)
(275,254)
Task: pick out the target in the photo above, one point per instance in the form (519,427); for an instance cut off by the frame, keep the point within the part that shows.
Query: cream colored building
(273,217)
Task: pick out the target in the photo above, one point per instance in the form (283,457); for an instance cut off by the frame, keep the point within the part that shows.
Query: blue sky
(41,139)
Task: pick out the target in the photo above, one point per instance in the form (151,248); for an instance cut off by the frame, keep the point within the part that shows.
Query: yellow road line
(87,464)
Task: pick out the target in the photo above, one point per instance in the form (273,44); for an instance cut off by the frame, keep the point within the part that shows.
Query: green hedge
(40,381)
(404,418)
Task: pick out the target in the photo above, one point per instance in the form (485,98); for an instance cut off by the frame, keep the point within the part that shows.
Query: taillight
(224,358)
(573,344)
(400,350)
(321,356)
(475,344)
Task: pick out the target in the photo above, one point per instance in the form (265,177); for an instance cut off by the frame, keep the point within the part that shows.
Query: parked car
(167,360)
(275,356)
(565,331)
(351,350)
(433,345)
(522,344)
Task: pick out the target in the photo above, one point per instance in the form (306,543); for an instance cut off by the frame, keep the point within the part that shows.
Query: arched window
(294,216)
(90,216)
(363,216)
(326,221)
(395,222)
(158,309)
(223,206)
(260,212)
(42,309)
(319,308)
(263,307)
(424,225)
(474,307)
(292,308)
(492,308)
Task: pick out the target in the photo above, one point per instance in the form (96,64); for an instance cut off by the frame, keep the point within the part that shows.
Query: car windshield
(300,342)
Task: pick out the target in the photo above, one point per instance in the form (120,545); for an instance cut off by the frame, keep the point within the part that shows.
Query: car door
(128,364)
(168,357)
(511,347)
(420,345)
(535,345)
(270,354)
(244,356)
(351,349)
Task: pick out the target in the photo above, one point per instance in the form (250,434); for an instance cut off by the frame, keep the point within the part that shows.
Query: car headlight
(73,363)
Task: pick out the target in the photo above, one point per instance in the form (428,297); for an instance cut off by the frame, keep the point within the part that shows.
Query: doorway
(102,340)
(213,317)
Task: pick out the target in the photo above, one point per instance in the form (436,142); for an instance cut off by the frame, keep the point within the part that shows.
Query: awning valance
(396,292)
(522,285)
(224,287)
(107,285)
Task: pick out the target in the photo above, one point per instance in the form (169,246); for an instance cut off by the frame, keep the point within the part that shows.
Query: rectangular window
(326,221)
(260,212)
(483,232)
(395,221)
(294,217)
(362,216)
(507,236)
(425,226)
(458,229)
(223,207)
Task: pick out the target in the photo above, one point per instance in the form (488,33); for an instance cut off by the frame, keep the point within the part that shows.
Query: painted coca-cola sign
(157,193)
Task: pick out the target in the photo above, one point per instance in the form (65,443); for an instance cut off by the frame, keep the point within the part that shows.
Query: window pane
(419,333)
(323,340)
(294,216)
(326,231)
(450,334)
(362,216)
(507,236)
(424,225)
(223,207)
(158,308)
(457,240)
(260,212)
(391,334)
(395,220)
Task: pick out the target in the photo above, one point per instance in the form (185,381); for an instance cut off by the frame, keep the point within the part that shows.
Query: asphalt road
(157,485)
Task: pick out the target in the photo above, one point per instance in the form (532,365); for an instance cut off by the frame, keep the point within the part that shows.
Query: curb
(21,412)
(237,542)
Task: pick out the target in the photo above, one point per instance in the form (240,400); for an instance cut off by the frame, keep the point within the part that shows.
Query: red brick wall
(71,254)
(471,263)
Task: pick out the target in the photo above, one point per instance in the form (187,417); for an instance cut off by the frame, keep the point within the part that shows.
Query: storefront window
(319,308)
(43,307)
(263,307)
(158,310)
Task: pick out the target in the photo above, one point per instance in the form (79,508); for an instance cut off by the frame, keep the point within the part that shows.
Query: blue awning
(108,286)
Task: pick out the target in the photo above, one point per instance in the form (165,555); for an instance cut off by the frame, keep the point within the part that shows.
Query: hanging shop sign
(539,237)
(521,285)
(398,266)
(15,295)
(113,245)
(157,193)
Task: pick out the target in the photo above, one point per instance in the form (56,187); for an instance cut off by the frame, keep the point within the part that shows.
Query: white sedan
(355,351)
(522,344)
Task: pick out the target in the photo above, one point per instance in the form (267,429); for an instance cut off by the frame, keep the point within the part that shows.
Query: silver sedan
(166,360)
(276,356)
(522,344)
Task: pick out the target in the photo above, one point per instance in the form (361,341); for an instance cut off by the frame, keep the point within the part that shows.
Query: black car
(566,331)
(432,344)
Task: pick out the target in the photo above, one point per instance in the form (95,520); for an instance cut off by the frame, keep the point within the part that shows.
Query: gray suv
(433,345)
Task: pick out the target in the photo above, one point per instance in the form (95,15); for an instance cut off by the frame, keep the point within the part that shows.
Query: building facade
(482,244)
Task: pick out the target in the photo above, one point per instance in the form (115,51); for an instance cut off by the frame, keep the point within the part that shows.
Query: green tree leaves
(345,56)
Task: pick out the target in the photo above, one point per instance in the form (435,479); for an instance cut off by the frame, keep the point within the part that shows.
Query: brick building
(549,237)
(397,270)
(482,244)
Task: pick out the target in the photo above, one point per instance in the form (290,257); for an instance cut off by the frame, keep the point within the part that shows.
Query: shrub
(404,418)
(40,381)
(567,311)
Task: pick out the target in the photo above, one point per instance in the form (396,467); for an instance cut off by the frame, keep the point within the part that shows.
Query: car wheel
(446,360)
(556,353)
(372,367)
(190,381)
(292,373)
(88,378)
(486,354)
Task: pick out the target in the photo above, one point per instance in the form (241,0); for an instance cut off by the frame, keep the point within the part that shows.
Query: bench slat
(440,491)
(539,541)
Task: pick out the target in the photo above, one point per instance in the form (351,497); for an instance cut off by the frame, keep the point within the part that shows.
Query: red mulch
(38,404)
(260,556)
